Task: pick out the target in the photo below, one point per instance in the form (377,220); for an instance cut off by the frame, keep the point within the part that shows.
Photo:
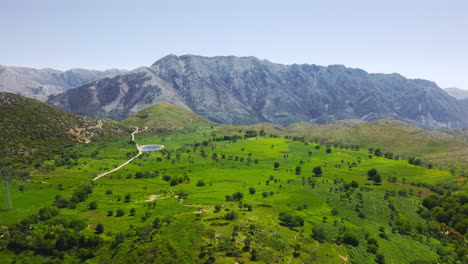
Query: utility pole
(7,195)
(6,177)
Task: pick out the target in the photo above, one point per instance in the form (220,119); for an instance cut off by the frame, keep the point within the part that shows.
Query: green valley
(227,194)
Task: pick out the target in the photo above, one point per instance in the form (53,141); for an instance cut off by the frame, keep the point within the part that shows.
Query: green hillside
(32,129)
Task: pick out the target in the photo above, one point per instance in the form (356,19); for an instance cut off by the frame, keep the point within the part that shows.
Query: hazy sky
(418,38)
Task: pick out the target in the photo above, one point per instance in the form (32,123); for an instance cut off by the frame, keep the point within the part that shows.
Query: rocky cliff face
(248,90)
(40,83)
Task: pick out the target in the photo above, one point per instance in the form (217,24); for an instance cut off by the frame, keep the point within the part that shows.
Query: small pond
(151,147)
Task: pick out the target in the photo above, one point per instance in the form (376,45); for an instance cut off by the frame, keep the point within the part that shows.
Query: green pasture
(227,167)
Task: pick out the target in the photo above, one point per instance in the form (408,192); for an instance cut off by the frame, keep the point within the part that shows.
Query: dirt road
(128,161)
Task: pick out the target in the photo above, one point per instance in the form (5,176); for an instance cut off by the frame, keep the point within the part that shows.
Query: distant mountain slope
(247,90)
(40,83)
(457,93)
(30,128)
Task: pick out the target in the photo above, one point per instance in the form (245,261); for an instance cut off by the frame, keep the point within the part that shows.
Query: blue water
(151,147)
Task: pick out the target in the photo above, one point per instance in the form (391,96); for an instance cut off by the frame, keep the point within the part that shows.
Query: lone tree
(9,176)
(317,171)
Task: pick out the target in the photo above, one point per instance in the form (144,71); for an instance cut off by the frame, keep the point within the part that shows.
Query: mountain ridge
(246,90)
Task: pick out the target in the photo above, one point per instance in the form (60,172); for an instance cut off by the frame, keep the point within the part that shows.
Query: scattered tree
(298,170)
(350,239)
(317,171)
(276,165)
(318,233)
(99,229)
(231,215)
(290,220)
(119,213)
(128,198)
(92,205)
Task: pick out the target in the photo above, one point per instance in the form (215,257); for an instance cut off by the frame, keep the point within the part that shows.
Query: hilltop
(165,117)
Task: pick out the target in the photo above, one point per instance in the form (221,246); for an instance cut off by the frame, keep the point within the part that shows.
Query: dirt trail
(128,161)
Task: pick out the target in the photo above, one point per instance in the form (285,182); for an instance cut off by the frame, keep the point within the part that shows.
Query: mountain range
(242,90)
(41,83)
(457,93)
(246,90)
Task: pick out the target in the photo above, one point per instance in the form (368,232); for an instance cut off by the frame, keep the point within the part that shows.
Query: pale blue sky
(417,38)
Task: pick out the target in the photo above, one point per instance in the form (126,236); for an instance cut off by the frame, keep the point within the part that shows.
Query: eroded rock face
(243,90)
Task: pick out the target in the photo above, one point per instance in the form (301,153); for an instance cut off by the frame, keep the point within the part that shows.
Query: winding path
(128,161)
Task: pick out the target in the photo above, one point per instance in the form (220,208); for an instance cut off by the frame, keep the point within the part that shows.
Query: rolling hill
(30,128)
(165,117)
